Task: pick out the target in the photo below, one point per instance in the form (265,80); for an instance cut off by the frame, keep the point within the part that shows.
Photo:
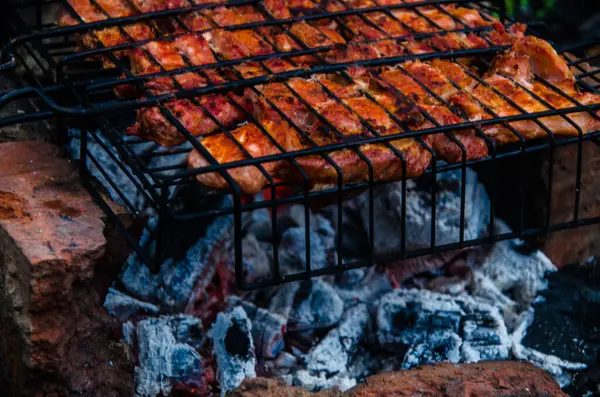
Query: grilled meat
(511,88)
(245,142)
(319,120)
(361,104)
(343,108)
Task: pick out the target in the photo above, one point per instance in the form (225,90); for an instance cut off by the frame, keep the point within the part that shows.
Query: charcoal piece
(280,366)
(510,269)
(562,370)
(292,250)
(335,352)
(282,301)
(354,243)
(295,216)
(124,307)
(315,305)
(256,258)
(366,286)
(435,326)
(167,354)
(177,279)
(233,348)
(388,212)
(441,346)
(268,328)
(407,317)
(258,222)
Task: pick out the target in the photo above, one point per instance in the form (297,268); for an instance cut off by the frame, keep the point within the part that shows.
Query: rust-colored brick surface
(52,238)
(487,379)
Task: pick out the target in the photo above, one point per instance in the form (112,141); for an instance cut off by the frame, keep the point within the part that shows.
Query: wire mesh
(91,74)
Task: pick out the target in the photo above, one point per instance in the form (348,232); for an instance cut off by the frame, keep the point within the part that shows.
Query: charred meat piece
(326,121)
(153,125)
(160,56)
(227,16)
(474,146)
(251,139)
(237,44)
(511,88)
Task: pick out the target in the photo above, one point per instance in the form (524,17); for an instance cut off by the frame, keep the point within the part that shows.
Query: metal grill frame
(155,188)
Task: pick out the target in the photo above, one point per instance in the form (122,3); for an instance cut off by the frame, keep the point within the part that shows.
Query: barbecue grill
(71,77)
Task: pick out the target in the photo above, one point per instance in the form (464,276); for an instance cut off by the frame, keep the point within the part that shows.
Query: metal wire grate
(89,77)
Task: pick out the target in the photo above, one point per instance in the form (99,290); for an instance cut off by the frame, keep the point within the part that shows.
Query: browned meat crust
(417,95)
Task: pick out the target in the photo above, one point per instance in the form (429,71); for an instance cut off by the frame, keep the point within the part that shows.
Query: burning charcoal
(179,279)
(258,222)
(267,328)
(167,355)
(314,305)
(279,367)
(335,352)
(436,326)
(233,348)
(440,347)
(294,216)
(368,286)
(124,307)
(283,299)
(292,250)
(508,268)
(388,212)
(257,259)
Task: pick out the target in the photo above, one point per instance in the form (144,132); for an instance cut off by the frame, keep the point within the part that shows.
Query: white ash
(335,352)
(136,278)
(521,275)
(308,305)
(443,325)
(388,212)
(167,354)
(267,328)
(362,285)
(306,379)
(292,249)
(441,346)
(233,348)
(124,307)
(257,259)
(280,366)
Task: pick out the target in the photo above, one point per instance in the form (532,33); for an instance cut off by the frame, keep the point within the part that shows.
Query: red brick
(52,238)
(489,379)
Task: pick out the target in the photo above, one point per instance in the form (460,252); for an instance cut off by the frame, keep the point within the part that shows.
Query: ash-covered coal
(439,327)
(330,361)
(268,329)
(388,215)
(167,355)
(464,306)
(233,348)
(308,305)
